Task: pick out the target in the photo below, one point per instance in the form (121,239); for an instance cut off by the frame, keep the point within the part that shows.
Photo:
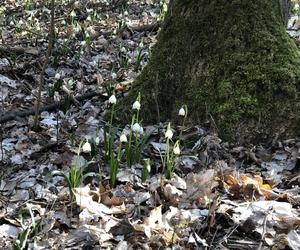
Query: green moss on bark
(229,59)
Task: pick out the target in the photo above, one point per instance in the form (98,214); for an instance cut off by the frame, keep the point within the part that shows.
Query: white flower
(86,148)
(181,112)
(136,105)
(176,149)
(136,128)
(123,49)
(97,140)
(90,30)
(141,130)
(125,13)
(89,18)
(56,96)
(73,13)
(112,99)
(89,10)
(114,75)
(169,133)
(123,138)
(57,76)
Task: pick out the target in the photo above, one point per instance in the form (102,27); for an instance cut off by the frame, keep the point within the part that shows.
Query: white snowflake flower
(112,99)
(136,105)
(123,138)
(181,112)
(86,148)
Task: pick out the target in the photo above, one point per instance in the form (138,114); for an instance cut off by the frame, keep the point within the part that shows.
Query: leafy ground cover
(174,186)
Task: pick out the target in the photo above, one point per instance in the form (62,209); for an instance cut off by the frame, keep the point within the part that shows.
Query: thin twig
(49,51)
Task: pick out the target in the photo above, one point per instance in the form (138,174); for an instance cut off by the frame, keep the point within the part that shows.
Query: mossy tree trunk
(230,60)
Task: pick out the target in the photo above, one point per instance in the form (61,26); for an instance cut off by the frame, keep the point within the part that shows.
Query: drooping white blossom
(136,128)
(169,133)
(112,99)
(136,105)
(73,13)
(86,148)
(123,138)
(181,112)
(57,76)
(176,149)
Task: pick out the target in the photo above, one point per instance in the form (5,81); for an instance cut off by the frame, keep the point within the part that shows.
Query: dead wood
(14,115)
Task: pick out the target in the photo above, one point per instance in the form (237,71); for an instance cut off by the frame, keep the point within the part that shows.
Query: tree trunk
(230,61)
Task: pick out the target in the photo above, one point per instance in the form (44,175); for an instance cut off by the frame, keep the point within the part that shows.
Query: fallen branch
(14,115)
(145,27)
(19,50)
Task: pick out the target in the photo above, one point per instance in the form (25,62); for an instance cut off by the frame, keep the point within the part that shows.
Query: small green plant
(27,232)
(137,140)
(108,133)
(75,176)
(168,161)
(115,162)
(124,60)
(141,55)
(109,136)
(146,170)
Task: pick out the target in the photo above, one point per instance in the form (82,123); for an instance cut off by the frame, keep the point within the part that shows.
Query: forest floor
(220,196)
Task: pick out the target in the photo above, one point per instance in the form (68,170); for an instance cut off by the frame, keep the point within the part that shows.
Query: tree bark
(230,60)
